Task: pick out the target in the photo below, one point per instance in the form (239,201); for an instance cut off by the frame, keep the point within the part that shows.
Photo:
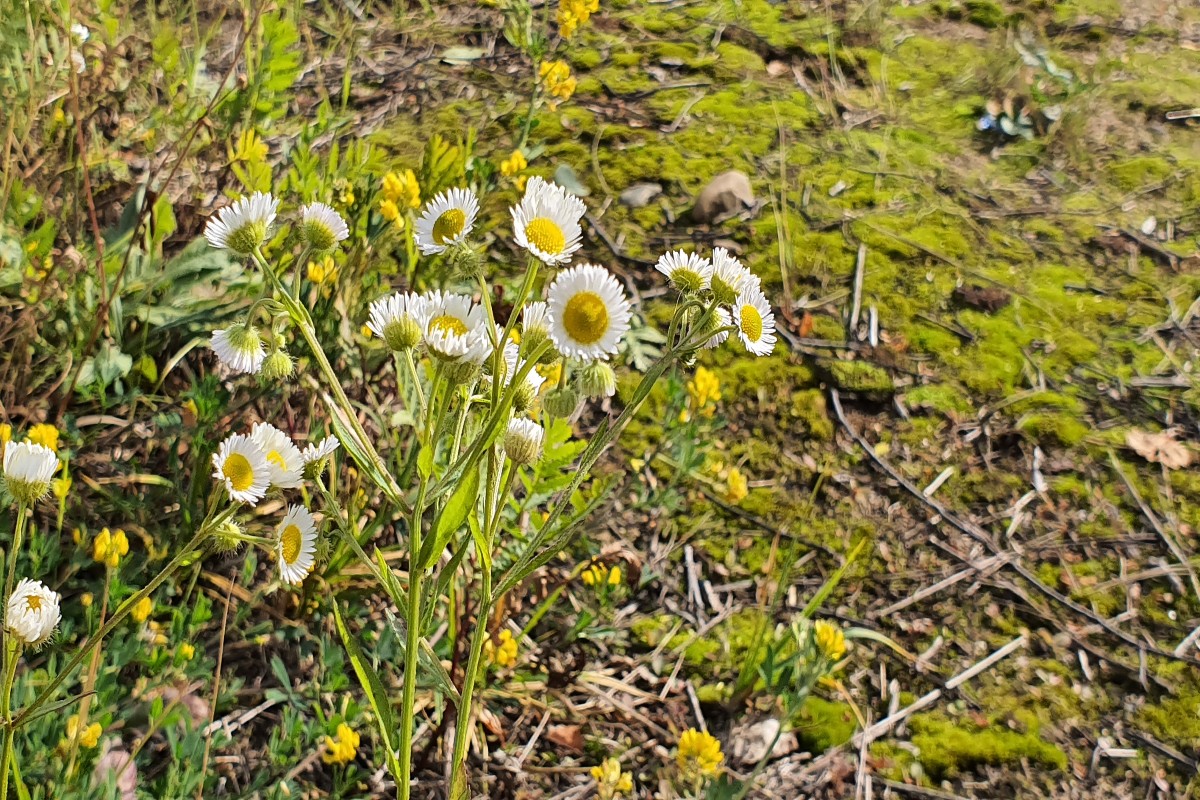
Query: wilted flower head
(32,613)
(455,328)
(243,226)
(315,456)
(28,470)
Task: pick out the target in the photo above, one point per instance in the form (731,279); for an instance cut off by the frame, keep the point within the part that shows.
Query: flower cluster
(557,81)
(342,748)
(267,459)
(699,755)
(611,781)
(502,652)
(736,290)
(574,13)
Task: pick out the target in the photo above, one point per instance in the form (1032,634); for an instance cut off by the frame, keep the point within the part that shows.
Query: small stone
(640,194)
(728,193)
(749,743)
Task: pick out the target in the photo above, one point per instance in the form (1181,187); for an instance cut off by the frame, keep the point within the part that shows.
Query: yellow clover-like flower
(110,548)
(736,487)
(830,640)
(699,755)
(402,189)
(503,652)
(513,164)
(45,435)
(342,748)
(704,389)
(611,782)
(557,81)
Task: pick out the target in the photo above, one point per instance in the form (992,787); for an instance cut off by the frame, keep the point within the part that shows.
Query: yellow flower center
(276,458)
(752,323)
(586,318)
(33,602)
(238,471)
(449,225)
(544,234)
(448,324)
(291,541)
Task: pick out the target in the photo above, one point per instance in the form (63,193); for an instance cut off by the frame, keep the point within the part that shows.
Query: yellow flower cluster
(88,737)
(323,271)
(557,81)
(699,755)
(110,548)
(573,13)
(342,748)
(45,435)
(186,651)
(830,640)
(141,610)
(513,164)
(704,392)
(344,193)
(736,487)
(502,653)
(402,189)
(600,575)
(611,782)
(5,434)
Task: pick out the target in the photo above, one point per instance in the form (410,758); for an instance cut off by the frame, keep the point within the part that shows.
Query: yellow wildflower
(520,182)
(61,487)
(736,487)
(611,782)
(344,192)
(141,610)
(366,331)
(86,599)
(187,651)
(513,164)
(342,748)
(699,755)
(402,188)
(599,575)
(557,81)
(323,271)
(391,212)
(830,640)
(89,737)
(5,433)
(45,435)
(552,373)
(503,653)
(704,389)
(108,548)
(573,13)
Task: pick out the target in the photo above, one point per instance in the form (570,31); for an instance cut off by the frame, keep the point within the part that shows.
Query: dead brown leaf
(1159,448)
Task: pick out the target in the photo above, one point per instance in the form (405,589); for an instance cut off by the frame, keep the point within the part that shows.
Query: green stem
(117,618)
(11,654)
(304,323)
(23,514)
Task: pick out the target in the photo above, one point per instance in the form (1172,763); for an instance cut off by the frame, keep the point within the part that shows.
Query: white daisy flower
(243,226)
(455,328)
(240,348)
(321,227)
(589,312)
(546,222)
(729,277)
(523,441)
(33,612)
(535,319)
(316,456)
(284,461)
(398,319)
(244,468)
(722,320)
(297,545)
(755,321)
(28,470)
(688,271)
(322,449)
(446,220)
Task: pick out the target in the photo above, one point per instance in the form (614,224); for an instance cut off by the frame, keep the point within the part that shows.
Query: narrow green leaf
(427,659)
(460,504)
(390,585)
(425,462)
(373,686)
(834,579)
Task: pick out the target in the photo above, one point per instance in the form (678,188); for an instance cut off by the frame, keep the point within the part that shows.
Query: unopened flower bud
(227,538)
(598,380)
(561,402)
(277,366)
(465,261)
(523,441)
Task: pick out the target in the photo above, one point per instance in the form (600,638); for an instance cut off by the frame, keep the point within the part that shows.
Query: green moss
(1054,428)
(985,13)
(944,398)
(738,59)
(1175,719)
(860,376)
(809,410)
(949,747)
(823,724)
(1135,173)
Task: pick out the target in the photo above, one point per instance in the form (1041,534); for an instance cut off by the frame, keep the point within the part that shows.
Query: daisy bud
(321,228)
(561,402)
(316,456)
(525,397)
(523,441)
(598,380)
(33,613)
(466,261)
(227,538)
(28,470)
(277,366)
